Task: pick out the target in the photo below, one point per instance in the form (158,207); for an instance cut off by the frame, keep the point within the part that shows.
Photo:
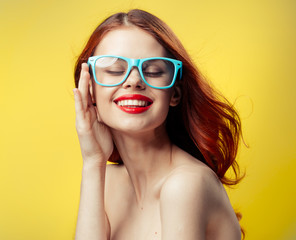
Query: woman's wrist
(96,164)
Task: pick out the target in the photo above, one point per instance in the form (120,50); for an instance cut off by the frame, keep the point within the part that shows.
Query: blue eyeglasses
(156,72)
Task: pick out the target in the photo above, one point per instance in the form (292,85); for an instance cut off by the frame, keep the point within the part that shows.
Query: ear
(176,96)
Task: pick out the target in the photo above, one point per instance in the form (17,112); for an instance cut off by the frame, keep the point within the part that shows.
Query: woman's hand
(94,136)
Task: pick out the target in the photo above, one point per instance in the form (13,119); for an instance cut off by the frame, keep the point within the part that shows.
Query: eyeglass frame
(135,63)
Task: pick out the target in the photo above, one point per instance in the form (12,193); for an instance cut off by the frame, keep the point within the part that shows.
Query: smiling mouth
(133,103)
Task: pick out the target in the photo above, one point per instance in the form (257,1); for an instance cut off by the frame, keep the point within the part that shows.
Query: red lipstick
(133,103)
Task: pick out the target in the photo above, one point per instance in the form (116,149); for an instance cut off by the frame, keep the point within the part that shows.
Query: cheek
(166,98)
(103,94)
(164,105)
(103,99)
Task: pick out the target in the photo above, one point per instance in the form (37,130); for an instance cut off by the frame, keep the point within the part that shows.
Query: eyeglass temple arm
(180,72)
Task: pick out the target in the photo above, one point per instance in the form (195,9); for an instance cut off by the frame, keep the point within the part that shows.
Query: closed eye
(115,73)
(153,74)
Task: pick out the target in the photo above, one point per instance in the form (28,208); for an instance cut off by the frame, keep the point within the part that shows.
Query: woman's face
(113,102)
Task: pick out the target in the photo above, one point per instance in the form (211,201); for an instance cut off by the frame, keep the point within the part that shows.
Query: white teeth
(138,103)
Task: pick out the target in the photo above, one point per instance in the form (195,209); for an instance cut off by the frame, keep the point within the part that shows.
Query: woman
(140,102)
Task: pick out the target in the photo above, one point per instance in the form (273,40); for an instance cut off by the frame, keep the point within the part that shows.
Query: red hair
(204,123)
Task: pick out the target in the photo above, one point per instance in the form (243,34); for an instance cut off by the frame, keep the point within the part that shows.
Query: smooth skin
(160,192)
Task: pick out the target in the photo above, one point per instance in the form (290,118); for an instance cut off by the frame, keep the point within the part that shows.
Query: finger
(90,101)
(78,105)
(83,85)
(91,104)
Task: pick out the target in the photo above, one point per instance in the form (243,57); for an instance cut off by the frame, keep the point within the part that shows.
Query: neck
(147,158)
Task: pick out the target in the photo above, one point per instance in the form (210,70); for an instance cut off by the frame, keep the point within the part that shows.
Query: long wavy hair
(204,123)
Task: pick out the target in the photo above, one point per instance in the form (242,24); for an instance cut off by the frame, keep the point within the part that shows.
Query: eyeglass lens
(112,70)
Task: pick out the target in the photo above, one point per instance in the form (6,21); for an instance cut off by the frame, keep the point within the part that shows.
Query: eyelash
(152,74)
(115,72)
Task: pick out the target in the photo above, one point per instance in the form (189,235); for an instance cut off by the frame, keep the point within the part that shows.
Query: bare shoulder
(194,195)
(194,177)
(194,182)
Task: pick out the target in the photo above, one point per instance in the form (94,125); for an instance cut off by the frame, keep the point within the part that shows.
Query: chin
(132,126)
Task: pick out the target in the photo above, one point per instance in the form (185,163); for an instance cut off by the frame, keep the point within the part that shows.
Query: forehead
(131,42)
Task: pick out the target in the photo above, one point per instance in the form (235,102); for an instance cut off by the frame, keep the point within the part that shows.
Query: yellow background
(246,49)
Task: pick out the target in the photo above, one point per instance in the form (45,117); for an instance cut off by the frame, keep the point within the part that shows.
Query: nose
(134,80)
